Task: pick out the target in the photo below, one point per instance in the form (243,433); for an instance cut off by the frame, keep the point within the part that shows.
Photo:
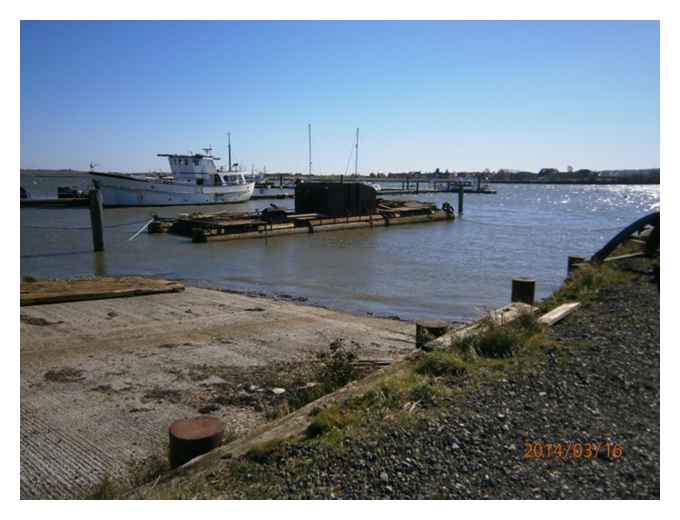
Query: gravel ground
(597,382)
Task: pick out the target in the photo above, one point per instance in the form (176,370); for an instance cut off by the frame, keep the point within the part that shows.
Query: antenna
(309,131)
(229,148)
(356,155)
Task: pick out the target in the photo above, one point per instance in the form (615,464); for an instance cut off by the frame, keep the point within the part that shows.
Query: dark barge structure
(318,207)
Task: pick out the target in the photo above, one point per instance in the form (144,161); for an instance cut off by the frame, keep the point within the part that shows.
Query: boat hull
(122,190)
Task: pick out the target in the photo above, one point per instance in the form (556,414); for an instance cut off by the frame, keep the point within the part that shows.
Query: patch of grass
(441,363)
(385,395)
(266,452)
(496,342)
(528,323)
(584,284)
(423,392)
(329,419)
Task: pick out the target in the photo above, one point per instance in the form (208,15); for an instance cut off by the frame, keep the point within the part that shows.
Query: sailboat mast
(229,148)
(356,155)
(309,132)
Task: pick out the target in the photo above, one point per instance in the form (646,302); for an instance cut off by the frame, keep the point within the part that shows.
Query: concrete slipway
(102,380)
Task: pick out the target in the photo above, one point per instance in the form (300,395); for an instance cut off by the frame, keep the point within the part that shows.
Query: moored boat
(194,180)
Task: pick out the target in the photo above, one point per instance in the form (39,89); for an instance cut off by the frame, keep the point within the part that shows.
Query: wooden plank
(624,257)
(558,313)
(97,288)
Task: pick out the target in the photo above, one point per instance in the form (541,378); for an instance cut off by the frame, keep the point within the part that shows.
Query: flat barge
(275,221)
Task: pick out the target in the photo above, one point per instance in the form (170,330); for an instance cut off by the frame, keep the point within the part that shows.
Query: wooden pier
(277,221)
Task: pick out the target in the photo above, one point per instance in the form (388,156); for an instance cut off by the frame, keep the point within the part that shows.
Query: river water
(445,270)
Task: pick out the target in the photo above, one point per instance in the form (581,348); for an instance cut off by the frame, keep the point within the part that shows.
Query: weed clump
(266,452)
(328,420)
(337,365)
(387,395)
(441,363)
(494,340)
(423,392)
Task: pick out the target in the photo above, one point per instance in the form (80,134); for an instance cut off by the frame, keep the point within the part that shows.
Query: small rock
(384,477)
(278,391)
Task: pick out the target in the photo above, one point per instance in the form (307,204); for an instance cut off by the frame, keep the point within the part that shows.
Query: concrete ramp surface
(102,380)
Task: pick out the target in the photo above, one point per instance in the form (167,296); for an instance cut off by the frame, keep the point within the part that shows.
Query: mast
(229,148)
(356,155)
(309,131)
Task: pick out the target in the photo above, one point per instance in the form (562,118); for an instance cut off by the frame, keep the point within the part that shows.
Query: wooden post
(572,261)
(523,290)
(417,187)
(96,219)
(427,330)
(461,192)
(190,438)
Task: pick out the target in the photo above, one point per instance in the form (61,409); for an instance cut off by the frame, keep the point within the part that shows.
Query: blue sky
(426,95)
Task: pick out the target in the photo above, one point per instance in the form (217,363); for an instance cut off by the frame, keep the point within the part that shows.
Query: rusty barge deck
(277,221)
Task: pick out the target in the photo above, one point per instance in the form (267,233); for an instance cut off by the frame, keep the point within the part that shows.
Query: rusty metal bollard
(190,438)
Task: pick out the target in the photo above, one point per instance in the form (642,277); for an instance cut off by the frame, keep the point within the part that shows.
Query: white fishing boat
(194,180)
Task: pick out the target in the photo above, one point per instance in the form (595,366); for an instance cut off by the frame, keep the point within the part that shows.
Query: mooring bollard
(190,438)
(523,290)
(572,261)
(427,330)
(461,192)
(97,219)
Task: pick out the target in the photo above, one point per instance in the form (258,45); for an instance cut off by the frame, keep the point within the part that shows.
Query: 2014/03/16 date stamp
(572,450)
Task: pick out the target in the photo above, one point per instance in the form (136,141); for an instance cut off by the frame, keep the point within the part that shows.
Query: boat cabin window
(218,180)
(231,179)
(195,162)
(199,182)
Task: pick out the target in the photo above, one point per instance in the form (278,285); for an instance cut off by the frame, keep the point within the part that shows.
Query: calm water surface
(442,270)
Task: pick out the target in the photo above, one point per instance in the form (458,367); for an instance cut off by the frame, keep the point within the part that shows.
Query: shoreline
(594,377)
(224,352)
